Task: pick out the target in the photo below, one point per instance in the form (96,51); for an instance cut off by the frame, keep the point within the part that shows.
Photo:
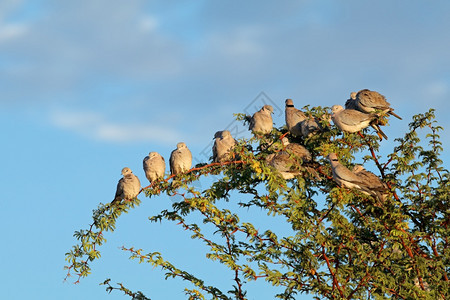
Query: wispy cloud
(95,126)
(57,53)
(181,64)
(10,31)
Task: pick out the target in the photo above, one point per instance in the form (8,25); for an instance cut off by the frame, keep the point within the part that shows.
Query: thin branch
(333,275)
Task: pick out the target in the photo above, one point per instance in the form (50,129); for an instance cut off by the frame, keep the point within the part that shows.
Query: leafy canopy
(342,244)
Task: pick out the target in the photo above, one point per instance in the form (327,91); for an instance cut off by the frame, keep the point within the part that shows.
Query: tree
(344,244)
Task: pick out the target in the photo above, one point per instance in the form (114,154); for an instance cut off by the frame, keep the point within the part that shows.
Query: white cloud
(71,42)
(148,23)
(10,31)
(136,56)
(94,125)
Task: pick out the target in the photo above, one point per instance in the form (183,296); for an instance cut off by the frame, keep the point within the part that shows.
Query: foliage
(345,245)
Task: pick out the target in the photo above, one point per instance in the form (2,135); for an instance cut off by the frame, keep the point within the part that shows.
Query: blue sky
(88,87)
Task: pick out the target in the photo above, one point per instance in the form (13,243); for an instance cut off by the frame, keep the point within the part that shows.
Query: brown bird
(294,118)
(351,103)
(154,166)
(351,120)
(223,144)
(296,149)
(261,122)
(369,101)
(128,186)
(310,126)
(372,181)
(180,159)
(359,181)
(285,162)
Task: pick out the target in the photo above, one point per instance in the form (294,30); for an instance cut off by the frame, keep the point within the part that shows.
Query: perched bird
(128,186)
(351,103)
(294,118)
(154,166)
(346,178)
(351,120)
(369,101)
(301,152)
(223,144)
(180,159)
(372,181)
(296,149)
(310,126)
(261,121)
(285,162)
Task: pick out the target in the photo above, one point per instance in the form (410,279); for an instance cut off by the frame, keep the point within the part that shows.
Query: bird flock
(362,110)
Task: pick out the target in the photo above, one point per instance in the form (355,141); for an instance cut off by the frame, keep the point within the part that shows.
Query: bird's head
(332,157)
(181,145)
(336,108)
(226,133)
(358,168)
(289,103)
(218,135)
(268,108)
(126,171)
(153,154)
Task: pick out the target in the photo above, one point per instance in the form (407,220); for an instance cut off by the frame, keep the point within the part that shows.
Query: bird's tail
(378,130)
(391,112)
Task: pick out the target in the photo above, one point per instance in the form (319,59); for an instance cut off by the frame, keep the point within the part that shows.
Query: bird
(372,181)
(346,178)
(128,186)
(300,151)
(154,166)
(180,159)
(296,149)
(223,144)
(310,126)
(351,103)
(261,122)
(351,120)
(369,101)
(294,118)
(285,161)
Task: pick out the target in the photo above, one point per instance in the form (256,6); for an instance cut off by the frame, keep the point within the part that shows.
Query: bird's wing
(351,117)
(119,190)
